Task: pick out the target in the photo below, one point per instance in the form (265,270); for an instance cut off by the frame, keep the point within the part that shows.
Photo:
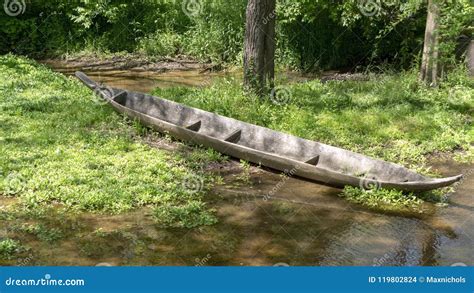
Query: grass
(395,200)
(9,248)
(61,153)
(59,147)
(42,232)
(382,198)
(390,116)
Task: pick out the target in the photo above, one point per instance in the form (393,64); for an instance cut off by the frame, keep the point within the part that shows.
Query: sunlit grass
(9,248)
(59,147)
(390,117)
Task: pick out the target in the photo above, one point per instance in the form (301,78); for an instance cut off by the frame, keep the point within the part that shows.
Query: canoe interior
(264,139)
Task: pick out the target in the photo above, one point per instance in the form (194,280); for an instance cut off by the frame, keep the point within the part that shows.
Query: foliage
(160,44)
(311,35)
(60,145)
(8,248)
(382,198)
(185,216)
(456,28)
(41,231)
(406,19)
(395,200)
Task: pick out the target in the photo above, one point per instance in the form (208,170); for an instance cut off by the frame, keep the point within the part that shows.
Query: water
(301,224)
(140,80)
(136,80)
(310,225)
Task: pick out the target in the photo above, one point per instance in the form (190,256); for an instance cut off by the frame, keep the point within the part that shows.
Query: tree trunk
(259,46)
(429,63)
(470,58)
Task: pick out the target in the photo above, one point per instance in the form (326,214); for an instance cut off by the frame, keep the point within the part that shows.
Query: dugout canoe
(280,151)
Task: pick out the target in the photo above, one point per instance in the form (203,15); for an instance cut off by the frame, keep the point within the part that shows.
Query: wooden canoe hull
(272,160)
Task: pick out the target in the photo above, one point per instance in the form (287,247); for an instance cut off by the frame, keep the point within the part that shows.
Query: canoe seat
(313,161)
(118,97)
(195,126)
(234,137)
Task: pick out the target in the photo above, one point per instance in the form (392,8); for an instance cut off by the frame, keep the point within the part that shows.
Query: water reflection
(145,81)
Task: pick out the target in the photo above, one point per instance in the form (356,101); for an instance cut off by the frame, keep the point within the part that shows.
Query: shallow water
(145,81)
(298,223)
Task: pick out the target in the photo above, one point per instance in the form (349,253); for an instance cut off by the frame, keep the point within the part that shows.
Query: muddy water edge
(298,223)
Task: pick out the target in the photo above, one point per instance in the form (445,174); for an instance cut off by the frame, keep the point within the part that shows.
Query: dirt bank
(132,62)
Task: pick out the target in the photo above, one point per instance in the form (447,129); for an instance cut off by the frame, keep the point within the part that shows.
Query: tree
(429,63)
(470,58)
(259,46)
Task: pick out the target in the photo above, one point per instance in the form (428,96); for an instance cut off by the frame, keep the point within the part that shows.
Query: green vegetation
(8,248)
(41,231)
(59,146)
(68,149)
(389,116)
(392,200)
(188,216)
(395,200)
(312,35)
(76,176)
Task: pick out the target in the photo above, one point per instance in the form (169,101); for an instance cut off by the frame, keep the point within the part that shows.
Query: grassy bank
(390,117)
(59,146)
